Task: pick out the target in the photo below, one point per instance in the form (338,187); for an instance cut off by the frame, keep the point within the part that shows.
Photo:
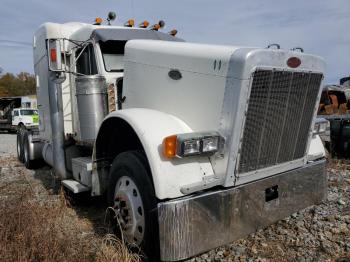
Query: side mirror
(54,55)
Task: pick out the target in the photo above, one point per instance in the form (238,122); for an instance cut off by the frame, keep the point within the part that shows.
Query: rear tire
(30,164)
(20,149)
(132,198)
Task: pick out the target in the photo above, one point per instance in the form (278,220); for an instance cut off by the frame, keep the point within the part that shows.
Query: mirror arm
(82,50)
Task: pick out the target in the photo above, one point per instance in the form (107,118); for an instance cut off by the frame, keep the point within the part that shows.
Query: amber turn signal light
(169,146)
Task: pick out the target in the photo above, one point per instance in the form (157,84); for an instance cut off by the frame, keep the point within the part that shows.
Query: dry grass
(338,164)
(108,249)
(37,230)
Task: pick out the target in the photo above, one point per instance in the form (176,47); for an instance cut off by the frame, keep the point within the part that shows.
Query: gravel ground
(318,233)
(7,144)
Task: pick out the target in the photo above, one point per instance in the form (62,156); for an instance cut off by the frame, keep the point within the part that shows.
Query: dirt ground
(40,222)
(37,218)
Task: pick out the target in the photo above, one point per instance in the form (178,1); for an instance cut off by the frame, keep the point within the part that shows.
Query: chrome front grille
(278,119)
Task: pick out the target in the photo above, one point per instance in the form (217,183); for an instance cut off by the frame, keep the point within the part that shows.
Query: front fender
(170,177)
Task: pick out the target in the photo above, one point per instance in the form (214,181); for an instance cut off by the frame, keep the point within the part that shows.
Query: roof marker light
(155,27)
(130,23)
(158,26)
(144,24)
(173,32)
(98,21)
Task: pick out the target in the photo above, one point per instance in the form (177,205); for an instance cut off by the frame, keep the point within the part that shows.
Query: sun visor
(105,34)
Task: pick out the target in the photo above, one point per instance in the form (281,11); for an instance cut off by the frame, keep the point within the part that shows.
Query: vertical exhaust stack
(56,113)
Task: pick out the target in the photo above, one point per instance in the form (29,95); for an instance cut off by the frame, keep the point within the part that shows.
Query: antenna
(132,8)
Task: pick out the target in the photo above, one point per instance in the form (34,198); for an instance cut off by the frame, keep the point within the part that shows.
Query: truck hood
(30,119)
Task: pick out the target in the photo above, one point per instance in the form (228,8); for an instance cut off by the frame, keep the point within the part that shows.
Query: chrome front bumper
(193,225)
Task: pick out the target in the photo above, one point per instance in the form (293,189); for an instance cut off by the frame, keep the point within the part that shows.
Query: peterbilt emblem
(293,62)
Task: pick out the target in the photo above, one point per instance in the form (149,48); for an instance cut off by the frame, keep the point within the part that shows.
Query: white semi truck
(194,145)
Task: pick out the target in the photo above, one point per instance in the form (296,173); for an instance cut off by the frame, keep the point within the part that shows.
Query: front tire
(132,198)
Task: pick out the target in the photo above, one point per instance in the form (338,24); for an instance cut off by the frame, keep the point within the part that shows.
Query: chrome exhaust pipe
(56,117)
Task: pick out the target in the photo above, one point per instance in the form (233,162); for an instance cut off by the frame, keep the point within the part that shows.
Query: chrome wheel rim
(129,210)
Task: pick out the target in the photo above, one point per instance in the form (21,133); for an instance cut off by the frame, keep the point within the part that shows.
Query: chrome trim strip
(195,224)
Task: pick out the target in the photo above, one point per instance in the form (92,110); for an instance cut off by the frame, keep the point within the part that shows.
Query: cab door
(15,117)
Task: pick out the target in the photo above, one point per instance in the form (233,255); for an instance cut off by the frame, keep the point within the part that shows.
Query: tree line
(21,84)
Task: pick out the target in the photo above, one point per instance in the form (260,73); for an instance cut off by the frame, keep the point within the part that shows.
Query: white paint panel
(195,98)
(168,175)
(67,106)
(196,58)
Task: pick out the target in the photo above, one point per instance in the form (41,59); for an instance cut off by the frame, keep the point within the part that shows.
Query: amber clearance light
(293,62)
(173,32)
(144,24)
(130,23)
(98,21)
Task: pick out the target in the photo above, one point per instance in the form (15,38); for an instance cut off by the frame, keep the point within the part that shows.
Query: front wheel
(132,198)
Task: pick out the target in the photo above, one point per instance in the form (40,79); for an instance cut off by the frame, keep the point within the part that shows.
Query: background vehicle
(16,112)
(28,117)
(334,106)
(188,141)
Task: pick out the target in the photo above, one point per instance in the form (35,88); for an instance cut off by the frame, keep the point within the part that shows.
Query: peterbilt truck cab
(194,145)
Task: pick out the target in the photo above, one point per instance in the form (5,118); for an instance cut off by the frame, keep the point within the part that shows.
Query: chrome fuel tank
(91,95)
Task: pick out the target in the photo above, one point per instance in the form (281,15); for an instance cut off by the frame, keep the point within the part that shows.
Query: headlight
(183,145)
(190,147)
(321,126)
(210,144)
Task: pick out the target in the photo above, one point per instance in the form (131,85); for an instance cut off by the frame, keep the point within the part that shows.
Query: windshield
(113,55)
(29,112)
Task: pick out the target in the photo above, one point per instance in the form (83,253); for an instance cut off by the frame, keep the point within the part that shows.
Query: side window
(16,113)
(86,64)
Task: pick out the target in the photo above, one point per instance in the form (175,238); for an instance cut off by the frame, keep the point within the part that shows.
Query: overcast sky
(319,26)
